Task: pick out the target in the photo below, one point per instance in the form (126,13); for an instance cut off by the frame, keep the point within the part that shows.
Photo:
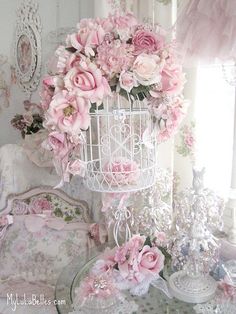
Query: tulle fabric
(206,30)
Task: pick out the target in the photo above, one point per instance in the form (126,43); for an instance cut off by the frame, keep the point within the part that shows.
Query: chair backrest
(41,231)
(30,201)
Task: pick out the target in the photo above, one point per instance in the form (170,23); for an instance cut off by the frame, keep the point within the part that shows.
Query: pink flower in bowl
(39,205)
(150,262)
(121,171)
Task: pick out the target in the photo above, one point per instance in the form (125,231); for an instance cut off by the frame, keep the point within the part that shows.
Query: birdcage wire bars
(121,146)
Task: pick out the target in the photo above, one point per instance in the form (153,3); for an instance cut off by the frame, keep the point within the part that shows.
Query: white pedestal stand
(192,289)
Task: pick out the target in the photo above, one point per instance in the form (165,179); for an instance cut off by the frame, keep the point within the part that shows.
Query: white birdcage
(121,146)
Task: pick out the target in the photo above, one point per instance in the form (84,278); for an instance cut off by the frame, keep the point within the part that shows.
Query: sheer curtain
(206,136)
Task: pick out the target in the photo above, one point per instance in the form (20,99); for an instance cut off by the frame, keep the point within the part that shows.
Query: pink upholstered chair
(41,231)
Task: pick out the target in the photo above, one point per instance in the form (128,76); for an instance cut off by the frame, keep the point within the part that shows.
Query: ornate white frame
(29,25)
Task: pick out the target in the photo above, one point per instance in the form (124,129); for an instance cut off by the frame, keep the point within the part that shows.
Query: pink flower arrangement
(114,54)
(95,286)
(136,263)
(121,171)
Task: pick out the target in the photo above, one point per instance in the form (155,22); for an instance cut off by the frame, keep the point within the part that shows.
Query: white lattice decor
(121,146)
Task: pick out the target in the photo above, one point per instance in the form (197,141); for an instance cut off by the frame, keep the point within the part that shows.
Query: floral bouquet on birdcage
(114,55)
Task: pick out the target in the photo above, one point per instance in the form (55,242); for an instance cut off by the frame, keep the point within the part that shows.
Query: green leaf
(77,211)
(94,107)
(68,218)
(165,253)
(71,49)
(148,242)
(58,212)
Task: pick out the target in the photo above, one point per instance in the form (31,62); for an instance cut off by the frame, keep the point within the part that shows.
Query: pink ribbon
(109,198)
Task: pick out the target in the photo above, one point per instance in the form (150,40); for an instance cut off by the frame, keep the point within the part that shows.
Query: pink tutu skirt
(206,30)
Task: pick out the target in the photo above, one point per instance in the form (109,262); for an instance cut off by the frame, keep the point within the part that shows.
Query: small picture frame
(27,47)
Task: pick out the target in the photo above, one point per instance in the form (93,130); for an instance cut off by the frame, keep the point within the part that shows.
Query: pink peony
(87,81)
(147,41)
(150,261)
(121,171)
(68,113)
(39,205)
(114,57)
(147,69)
(127,81)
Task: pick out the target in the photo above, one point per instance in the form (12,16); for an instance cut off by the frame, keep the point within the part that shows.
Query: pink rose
(229,290)
(150,261)
(160,238)
(121,24)
(68,113)
(39,205)
(87,37)
(20,208)
(66,60)
(147,69)
(28,119)
(6,220)
(102,266)
(20,247)
(172,80)
(169,115)
(87,81)
(55,82)
(121,171)
(189,140)
(58,143)
(76,167)
(127,80)
(46,95)
(147,41)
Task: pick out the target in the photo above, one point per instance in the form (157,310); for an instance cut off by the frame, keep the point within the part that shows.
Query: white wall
(70,13)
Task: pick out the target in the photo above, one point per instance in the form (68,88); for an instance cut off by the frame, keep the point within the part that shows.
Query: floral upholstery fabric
(46,234)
